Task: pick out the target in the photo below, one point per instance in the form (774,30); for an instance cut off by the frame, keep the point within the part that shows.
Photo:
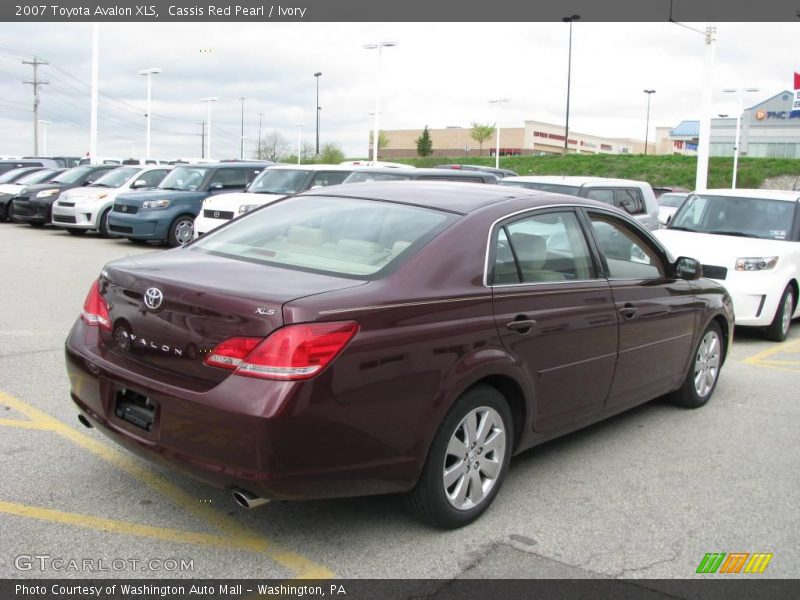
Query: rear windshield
(361,177)
(741,217)
(557,188)
(339,236)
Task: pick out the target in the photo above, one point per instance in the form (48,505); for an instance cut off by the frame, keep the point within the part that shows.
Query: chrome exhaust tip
(247,499)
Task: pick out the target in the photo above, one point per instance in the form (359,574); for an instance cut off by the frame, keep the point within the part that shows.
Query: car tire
(35,224)
(181,231)
(445,495)
(701,380)
(137,241)
(779,328)
(76,231)
(102,229)
(5,212)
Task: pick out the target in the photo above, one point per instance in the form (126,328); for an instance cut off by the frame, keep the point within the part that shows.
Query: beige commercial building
(534,138)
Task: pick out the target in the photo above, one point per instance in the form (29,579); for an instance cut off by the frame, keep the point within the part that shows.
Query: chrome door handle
(628,311)
(521,326)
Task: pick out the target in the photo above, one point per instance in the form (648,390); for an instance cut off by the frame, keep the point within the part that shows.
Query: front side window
(184,179)
(326,178)
(626,253)
(547,247)
(339,236)
(279,181)
(742,217)
(153,178)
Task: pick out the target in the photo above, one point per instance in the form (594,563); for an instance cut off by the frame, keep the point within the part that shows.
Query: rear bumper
(281,440)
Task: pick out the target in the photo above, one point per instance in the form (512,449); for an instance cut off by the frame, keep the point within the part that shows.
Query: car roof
(222,165)
(421,172)
(786,195)
(315,167)
(573,180)
(451,196)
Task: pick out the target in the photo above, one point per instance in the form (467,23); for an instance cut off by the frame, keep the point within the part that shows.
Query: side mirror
(139,183)
(215,186)
(669,218)
(688,268)
(88,182)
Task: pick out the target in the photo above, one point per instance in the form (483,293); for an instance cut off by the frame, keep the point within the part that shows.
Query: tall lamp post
(499,102)
(741,92)
(241,140)
(299,140)
(376,132)
(44,125)
(316,148)
(208,100)
(647,121)
(149,73)
(569,20)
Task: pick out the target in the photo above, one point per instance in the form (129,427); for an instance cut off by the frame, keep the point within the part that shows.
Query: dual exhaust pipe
(243,498)
(247,499)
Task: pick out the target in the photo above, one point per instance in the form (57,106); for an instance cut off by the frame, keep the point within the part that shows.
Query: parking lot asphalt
(643,495)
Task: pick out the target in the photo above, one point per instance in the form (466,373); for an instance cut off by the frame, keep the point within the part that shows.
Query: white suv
(634,197)
(85,208)
(272,184)
(749,241)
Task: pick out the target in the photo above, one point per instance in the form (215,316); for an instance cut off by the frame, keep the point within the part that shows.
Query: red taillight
(292,352)
(230,353)
(95,309)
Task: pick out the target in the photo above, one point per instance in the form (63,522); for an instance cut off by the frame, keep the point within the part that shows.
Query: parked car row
(747,240)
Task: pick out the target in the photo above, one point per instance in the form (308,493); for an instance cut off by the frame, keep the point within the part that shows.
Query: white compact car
(668,204)
(82,209)
(749,241)
(272,184)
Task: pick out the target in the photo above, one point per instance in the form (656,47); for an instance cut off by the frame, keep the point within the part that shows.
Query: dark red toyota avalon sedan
(391,337)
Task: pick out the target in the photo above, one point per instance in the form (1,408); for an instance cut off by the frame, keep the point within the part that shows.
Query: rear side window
(549,247)
(339,236)
(601,195)
(630,200)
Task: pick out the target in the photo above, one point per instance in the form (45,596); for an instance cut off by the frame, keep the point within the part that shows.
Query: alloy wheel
(706,364)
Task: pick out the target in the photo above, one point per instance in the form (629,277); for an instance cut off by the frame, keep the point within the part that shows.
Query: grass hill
(678,171)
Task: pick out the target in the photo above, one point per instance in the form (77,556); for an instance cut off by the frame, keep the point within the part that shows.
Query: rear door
(554,314)
(656,311)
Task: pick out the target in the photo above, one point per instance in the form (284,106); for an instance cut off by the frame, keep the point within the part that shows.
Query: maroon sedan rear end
(353,341)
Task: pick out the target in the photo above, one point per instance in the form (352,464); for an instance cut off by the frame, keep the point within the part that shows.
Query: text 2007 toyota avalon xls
(391,337)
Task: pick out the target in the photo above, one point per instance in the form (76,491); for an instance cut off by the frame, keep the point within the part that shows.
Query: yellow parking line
(114,526)
(756,359)
(245,538)
(19,423)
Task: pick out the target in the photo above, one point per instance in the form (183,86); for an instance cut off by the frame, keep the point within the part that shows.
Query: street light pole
(569,75)
(647,122)
(208,102)
(241,141)
(741,92)
(299,140)
(498,102)
(376,132)
(148,73)
(317,76)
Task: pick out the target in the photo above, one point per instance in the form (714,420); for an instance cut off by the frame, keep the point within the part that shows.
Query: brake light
(230,353)
(290,353)
(95,309)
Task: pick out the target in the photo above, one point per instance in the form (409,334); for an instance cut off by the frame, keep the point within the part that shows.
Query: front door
(656,311)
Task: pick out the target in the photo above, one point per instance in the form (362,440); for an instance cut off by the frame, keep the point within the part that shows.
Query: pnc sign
(777,114)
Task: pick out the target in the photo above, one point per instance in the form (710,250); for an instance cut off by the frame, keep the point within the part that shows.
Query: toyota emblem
(153,298)
(216,214)
(124,208)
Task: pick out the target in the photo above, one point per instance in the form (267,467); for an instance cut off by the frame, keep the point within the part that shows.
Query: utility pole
(258,149)
(241,142)
(203,140)
(35,63)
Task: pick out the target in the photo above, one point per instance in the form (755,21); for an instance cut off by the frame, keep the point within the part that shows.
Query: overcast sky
(439,75)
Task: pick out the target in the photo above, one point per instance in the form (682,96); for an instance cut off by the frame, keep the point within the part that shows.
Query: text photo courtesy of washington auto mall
(399,300)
